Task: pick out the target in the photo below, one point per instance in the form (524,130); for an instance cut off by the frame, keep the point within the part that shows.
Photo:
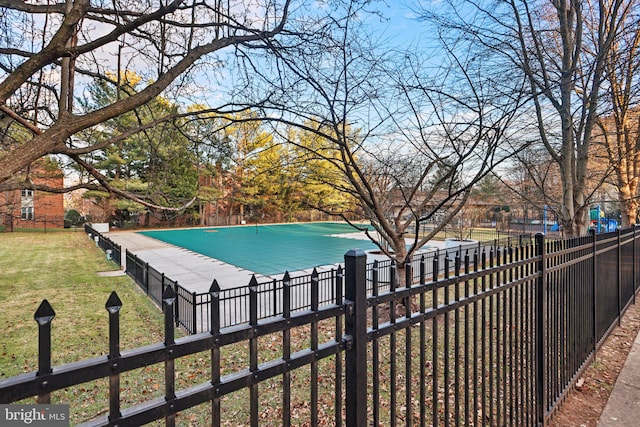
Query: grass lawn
(62,268)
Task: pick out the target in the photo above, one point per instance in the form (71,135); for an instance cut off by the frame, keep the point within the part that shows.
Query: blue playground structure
(600,222)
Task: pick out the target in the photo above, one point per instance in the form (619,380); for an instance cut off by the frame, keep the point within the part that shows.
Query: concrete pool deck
(196,272)
(191,270)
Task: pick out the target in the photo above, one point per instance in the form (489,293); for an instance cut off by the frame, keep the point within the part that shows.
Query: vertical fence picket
(541,338)
(253,350)
(476,400)
(456,343)
(594,307)
(467,339)
(504,341)
(423,345)
(339,330)
(408,309)
(619,273)
(525,352)
(633,264)
(375,346)
(113,306)
(286,351)
(560,293)
(145,276)
(525,356)
(491,327)
(393,374)
(483,288)
(498,335)
(314,349)
(274,296)
(44,315)
(551,342)
(214,321)
(434,346)
(194,314)
(446,346)
(513,324)
(176,311)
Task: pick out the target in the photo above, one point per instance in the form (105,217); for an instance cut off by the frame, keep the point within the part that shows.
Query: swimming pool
(268,249)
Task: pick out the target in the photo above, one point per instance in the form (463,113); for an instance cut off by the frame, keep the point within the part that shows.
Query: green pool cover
(268,249)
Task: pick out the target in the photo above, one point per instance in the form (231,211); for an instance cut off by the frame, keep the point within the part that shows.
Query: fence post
(356,331)
(286,350)
(44,316)
(253,351)
(619,272)
(541,336)
(113,306)
(594,299)
(633,263)
(168,299)
(214,321)
(314,347)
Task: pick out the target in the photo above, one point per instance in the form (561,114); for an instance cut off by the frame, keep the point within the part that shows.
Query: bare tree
(172,44)
(408,140)
(620,123)
(533,180)
(564,64)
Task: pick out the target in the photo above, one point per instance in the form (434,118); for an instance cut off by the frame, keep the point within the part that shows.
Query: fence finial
(169,295)
(253,283)
(44,314)
(215,287)
(114,304)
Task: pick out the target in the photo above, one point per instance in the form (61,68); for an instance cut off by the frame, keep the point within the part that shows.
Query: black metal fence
(192,308)
(111,248)
(498,338)
(154,283)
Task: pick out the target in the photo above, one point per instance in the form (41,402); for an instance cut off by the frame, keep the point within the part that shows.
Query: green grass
(42,230)
(62,268)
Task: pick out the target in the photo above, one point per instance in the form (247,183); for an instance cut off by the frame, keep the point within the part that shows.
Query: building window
(27,212)
(26,205)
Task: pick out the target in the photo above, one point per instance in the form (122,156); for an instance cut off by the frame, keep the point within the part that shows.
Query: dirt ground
(585,403)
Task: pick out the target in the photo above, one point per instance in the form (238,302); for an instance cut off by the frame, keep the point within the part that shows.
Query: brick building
(33,208)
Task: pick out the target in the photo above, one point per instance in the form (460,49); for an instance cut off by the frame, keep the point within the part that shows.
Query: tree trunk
(628,203)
